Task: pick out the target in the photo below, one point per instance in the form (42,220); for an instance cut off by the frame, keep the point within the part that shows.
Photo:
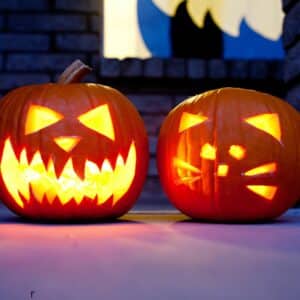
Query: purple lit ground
(158,256)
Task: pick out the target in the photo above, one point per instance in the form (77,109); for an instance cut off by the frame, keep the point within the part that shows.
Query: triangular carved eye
(39,117)
(268,123)
(189,120)
(99,120)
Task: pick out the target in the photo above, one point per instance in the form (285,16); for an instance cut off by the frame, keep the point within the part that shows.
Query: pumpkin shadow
(288,218)
(279,235)
(249,223)
(7,217)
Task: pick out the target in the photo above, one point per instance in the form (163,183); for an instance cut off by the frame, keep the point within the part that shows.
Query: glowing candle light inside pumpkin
(216,165)
(73,155)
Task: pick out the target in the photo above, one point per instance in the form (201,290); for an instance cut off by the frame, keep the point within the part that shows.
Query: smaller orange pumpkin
(231,155)
(71,150)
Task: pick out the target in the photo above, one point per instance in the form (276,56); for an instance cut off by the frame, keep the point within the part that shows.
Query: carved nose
(67,143)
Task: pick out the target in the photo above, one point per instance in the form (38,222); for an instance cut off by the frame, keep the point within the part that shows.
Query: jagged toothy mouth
(23,178)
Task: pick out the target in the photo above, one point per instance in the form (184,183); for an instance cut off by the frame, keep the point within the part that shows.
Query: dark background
(39,38)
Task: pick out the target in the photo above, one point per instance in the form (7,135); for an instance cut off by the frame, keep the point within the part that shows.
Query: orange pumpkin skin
(230,155)
(60,135)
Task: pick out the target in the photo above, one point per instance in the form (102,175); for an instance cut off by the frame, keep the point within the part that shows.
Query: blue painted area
(154,26)
(251,45)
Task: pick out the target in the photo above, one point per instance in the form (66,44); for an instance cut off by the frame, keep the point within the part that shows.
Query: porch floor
(162,255)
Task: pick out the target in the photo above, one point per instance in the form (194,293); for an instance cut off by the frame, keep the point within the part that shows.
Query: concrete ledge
(150,256)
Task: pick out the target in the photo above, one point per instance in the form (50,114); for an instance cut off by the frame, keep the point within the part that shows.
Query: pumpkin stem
(74,73)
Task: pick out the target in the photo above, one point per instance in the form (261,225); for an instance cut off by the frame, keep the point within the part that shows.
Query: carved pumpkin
(71,150)
(230,155)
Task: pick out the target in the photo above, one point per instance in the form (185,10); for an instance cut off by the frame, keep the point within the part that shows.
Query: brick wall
(39,38)
(291,42)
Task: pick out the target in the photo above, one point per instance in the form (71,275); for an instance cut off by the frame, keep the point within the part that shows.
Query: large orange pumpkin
(231,155)
(71,150)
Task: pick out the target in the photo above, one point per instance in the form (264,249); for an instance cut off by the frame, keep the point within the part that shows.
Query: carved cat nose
(67,143)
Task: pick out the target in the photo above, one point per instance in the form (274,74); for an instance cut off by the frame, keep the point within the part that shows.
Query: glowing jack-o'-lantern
(71,150)
(230,155)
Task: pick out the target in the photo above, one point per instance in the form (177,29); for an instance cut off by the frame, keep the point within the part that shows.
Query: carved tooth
(36,159)
(23,159)
(36,170)
(64,195)
(118,186)
(37,190)
(106,166)
(67,183)
(9,167)
(23,188)
(36,176)
(90,193)
(64,198)
(51,191)
(23,184)
(103,195)
(91,169)
(24,191)
(123,178)
(89,183)
(50,195)
(50,168)
(68,171)
(119,161)
(104,182)
(119,175)
(78,198)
